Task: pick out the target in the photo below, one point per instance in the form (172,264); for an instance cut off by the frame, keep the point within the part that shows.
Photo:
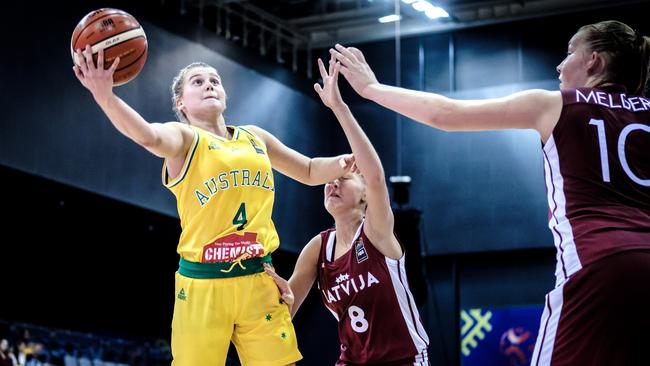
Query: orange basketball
(119,35)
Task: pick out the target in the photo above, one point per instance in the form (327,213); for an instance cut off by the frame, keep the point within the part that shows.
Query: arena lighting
(436,12)
(430,10)
(390,18)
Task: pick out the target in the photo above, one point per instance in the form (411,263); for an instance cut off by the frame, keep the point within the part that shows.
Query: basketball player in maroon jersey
(596,147)
(359,263)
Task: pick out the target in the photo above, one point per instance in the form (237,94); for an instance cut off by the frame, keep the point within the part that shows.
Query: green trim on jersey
(188,160)
(223,269)
(248,132)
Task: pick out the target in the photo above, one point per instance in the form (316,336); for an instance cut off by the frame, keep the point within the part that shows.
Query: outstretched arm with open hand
(535,109)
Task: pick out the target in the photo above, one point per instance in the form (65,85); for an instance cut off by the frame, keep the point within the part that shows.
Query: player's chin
(215,106)
(331,205)
(213,102)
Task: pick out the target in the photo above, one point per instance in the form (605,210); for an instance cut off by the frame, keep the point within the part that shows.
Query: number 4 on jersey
(240,217)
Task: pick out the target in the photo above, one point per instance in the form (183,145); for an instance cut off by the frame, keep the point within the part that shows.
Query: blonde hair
(177,88)
(627,50)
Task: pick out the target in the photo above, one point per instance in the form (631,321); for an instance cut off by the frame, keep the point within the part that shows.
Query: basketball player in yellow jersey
(222,179)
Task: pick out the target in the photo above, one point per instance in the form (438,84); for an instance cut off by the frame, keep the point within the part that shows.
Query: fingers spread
(346,52)
(335,73)
(339,56)
(81,59)
(321,68)
(357,53)
(116,62)
(100,59)
(89,57)
(78,73)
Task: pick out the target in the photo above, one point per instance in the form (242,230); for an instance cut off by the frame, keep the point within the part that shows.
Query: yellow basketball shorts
(247,310)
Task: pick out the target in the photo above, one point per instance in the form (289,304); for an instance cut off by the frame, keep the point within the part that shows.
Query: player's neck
(217,127)
(346,227)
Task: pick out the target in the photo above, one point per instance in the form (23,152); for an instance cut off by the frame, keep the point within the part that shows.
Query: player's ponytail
(627,53)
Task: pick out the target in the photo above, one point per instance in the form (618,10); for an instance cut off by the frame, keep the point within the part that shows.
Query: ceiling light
(422,5)
(390,18)
(436,12)
(430,10)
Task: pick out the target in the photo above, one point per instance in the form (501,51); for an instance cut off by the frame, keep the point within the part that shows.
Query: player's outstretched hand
(354,68)
(329,93)
(95,78)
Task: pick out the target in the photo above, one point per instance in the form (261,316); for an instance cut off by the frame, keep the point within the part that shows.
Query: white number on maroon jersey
(602,143)
(357,319)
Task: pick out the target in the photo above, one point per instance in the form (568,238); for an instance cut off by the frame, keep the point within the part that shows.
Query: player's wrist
(105,100)
(370,90)
(339,106)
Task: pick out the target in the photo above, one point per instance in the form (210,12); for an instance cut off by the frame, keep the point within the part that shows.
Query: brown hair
(628,53)
(177,87)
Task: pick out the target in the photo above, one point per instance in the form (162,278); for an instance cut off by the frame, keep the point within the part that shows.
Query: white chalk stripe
(116,39)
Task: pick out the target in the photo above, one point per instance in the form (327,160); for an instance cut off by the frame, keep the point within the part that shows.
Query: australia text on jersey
(348,285)
(232,179)
(635,104)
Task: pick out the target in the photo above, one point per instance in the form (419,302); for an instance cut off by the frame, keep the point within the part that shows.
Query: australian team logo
(232,247)
(256,147)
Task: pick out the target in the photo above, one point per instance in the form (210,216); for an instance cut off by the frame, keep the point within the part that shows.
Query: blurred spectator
(40,346)
(6,357)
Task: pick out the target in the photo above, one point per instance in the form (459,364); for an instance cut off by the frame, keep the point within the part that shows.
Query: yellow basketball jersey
(224,195)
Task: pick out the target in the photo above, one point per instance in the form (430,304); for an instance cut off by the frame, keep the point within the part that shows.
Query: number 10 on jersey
(604,158)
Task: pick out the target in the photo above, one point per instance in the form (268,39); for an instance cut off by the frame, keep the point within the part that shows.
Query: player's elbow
(444,118)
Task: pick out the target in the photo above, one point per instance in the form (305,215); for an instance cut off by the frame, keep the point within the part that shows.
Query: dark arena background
(87,255)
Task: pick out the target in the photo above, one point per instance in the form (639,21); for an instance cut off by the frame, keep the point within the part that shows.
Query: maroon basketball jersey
(597,167)
(369,296)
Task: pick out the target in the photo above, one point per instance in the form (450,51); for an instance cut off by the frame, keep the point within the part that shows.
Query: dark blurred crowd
(29,345)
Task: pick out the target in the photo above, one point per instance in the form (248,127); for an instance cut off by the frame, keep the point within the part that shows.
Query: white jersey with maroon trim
(369,295)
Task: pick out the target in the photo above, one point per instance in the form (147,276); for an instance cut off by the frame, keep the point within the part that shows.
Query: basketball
(119,34)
